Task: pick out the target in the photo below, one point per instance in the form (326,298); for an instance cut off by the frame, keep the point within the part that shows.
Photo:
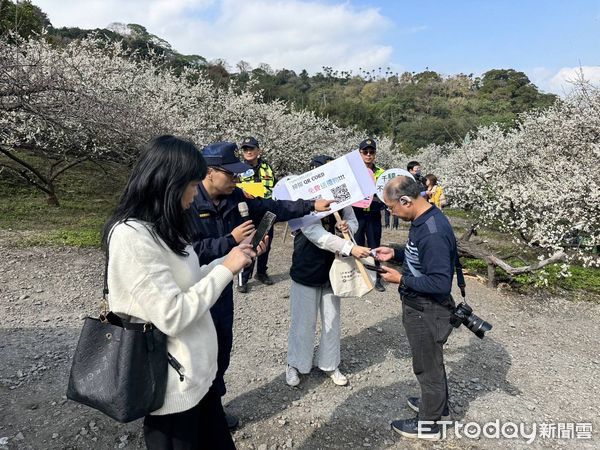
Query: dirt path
(539,365)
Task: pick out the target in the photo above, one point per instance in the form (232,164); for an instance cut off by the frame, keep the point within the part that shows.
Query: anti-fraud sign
(389,175)
(345,179)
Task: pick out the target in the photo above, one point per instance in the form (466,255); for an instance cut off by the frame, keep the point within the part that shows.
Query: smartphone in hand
(263,228)
(374,268)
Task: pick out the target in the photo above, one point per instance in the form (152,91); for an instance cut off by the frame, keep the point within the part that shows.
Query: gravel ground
(539,365)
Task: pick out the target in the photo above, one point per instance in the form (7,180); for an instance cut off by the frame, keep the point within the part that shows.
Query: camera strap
(460,276)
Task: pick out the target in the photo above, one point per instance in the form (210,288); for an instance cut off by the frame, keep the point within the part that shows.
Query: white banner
(345,179)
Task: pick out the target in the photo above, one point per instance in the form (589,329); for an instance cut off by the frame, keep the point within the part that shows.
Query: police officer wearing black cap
(219,227)
(369,219)
(261,173)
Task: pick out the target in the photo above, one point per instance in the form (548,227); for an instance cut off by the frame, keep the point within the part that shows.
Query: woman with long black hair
(154,276)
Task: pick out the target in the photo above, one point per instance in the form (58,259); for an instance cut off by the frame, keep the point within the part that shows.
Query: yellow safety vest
(262,174)
(377,172)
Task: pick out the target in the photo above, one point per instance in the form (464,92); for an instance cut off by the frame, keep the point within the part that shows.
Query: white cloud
(561,82)
(99,13)
(414,30)
(294,34)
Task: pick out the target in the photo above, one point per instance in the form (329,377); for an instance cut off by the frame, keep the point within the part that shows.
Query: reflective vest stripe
(263,175)
(378,171)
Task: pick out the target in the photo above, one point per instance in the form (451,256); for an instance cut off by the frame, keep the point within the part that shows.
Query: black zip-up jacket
(213,225)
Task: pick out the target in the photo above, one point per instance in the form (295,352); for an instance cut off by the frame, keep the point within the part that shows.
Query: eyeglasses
(368,151)
(227,172)
(249,149)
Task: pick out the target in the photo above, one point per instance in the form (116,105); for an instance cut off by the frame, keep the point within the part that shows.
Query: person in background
(311,294)
(219,226)
(394,219)
(369,219)
(414,168)
(261,173)
(435,193)
(154,276)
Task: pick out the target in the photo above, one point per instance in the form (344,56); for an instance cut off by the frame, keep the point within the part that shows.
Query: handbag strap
(104,303)
(359,263)
(105,288)
(114,319)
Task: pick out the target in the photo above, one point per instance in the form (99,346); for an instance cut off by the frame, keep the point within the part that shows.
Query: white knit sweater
(149,282)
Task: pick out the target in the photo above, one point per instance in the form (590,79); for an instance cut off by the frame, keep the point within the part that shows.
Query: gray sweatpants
(306,303)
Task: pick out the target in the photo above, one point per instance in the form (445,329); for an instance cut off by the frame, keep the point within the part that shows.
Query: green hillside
(414,109)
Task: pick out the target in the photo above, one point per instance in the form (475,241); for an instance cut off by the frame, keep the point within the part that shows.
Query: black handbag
(119,367)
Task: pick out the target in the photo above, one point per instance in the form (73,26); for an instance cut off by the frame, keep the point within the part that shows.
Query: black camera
(464,314)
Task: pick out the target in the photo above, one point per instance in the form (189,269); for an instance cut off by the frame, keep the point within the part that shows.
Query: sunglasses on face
(248,149)
(368,151)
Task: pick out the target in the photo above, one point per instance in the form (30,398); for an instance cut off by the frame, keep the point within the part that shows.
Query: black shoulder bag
(119,367)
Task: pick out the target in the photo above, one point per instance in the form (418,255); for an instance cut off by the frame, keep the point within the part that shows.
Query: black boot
(264,279)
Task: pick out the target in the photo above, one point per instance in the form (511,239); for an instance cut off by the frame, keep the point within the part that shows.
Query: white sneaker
(291,376)
(338,377)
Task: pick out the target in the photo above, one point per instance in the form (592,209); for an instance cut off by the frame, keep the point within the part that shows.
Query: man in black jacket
(218,227)
(428,265)
(414,168)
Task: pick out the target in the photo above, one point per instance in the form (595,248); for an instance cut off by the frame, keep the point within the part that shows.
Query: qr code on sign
(341,193)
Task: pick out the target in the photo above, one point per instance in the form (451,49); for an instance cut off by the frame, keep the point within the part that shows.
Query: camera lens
(463,313)
(477,325)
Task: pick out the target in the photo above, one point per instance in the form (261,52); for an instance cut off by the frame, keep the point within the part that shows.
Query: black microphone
(243,209)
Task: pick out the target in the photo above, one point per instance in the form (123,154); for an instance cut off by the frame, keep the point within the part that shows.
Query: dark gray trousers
(427,325)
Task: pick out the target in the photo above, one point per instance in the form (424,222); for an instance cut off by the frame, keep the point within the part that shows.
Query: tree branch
(467,248)
(100,166)
(67,167)
(24,164)
(558,256)
(23,174)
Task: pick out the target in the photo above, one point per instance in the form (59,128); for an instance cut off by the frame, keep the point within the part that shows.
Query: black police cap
(249,141)
(368,143)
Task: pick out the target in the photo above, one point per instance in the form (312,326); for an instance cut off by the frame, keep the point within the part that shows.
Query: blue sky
(548,40)
(469,35)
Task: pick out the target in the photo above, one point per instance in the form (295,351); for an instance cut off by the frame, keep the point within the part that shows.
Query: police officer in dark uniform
(261,173)
(218,227)
(369,219)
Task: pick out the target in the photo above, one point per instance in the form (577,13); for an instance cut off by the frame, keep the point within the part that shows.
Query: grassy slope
(87,196)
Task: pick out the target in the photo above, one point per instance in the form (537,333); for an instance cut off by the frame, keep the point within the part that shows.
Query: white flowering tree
(92,100)
(538,182)
(65,106)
